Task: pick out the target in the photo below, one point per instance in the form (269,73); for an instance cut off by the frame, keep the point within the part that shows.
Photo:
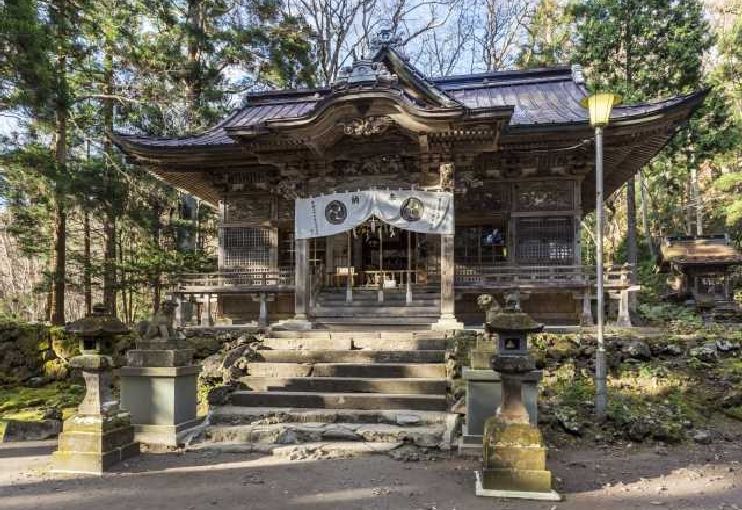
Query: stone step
(346,385)
(376,311)
(301,451)
(338,400)
(347,356)
(388,300)
(376,370)
(373,322)
(312,432)
(345,334)
(234,415)
(370,342)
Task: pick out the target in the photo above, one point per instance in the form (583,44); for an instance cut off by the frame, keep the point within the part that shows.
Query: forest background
(79,224)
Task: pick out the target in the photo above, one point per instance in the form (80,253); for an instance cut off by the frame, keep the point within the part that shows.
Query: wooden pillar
(349,268)
(408,283)
(329,260)
(448,293)
(301,280)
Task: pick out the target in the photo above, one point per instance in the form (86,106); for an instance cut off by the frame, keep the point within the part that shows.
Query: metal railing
(512,277)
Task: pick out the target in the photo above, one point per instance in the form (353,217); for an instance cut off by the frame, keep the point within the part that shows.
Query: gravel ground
(688,477)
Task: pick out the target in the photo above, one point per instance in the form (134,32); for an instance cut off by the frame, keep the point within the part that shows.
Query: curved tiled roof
(539,97)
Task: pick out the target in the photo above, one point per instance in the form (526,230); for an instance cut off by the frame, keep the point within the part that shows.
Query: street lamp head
(599,106)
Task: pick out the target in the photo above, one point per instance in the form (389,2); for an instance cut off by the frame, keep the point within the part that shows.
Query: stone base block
(516,480)
(480,490)
(446,325)
(292,324)
(162,401)
(529,458)
(159,357)
(92,463)
(169,436)
(92,444)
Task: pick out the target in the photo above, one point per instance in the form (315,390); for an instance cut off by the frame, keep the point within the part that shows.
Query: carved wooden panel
(486,199)
(544,196)
(285,209)
(248,209)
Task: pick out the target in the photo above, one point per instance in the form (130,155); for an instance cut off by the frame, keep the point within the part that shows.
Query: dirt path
(692,477)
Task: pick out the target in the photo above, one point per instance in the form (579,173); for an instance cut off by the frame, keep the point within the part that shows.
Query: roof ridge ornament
(385,38)
(365,73)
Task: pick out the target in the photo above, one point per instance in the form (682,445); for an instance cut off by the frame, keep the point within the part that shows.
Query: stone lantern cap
(514,322)
(99,323)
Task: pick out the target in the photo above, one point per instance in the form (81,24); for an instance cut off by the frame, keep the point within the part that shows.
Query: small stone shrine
(514,451)
(100,434)
(159,384)
(484,387)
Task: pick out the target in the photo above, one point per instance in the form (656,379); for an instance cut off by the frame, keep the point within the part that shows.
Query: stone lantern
(100,434)
(484,385)
(514,452)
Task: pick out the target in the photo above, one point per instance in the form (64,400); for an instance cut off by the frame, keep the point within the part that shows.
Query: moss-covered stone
(511,434)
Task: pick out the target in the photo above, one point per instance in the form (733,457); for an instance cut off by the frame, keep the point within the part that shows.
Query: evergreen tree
(642,50)
(548,37)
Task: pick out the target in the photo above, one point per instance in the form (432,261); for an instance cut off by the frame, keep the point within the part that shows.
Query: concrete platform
(493,493)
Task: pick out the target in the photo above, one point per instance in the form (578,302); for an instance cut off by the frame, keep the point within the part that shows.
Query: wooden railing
(513,277)
(280,278)
(376,278)
(467,277)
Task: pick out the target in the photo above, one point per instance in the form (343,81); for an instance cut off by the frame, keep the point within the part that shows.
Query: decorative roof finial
(384,38)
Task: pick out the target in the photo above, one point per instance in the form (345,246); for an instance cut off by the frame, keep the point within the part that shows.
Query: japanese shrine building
(472,184)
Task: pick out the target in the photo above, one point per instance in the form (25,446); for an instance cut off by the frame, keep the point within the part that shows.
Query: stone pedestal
(162,402)
(514,463)
(100,434)
(483,397)
(92,444)
(159,387)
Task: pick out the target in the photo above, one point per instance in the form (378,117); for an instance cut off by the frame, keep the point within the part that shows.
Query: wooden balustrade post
(448,292)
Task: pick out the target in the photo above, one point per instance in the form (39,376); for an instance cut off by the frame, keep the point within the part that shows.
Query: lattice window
(544,241)
(480,244)
(246,247)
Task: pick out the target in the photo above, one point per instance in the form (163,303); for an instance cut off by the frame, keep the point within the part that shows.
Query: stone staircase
(331,311)
(336,389)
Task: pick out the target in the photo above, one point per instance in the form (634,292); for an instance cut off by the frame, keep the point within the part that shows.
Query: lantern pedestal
(514,463)
(159,384)
(100,434)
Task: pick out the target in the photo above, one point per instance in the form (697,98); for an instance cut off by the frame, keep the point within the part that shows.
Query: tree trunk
(109,227)
(60,159)
(87,270)
(645,215)
(194,85)
(631,228)
(60,252)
